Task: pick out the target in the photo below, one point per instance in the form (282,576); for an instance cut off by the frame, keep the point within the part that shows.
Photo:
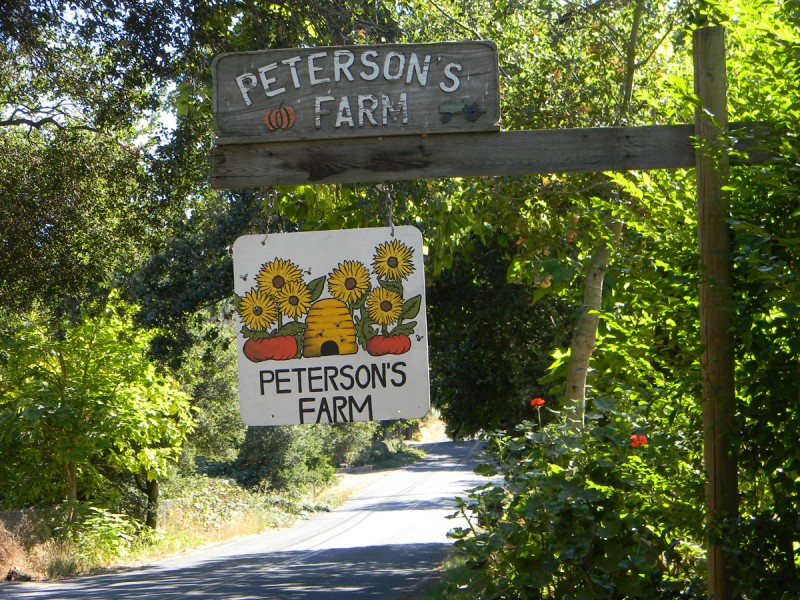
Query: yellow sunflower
(349,281)
(392,260)
(294,299)
(257,310)
(384,306)
(276,274)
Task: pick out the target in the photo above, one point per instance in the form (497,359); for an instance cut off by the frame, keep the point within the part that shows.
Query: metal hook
(266,195)
(386,188)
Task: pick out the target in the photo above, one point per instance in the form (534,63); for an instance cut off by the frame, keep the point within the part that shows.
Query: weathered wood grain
(465,155)
(717,305)
(356,91)
(453,155)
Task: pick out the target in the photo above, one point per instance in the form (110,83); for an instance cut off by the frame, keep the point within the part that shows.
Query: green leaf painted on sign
(291,328)
(411,307)
(404,329)
(392,286)
(316,287)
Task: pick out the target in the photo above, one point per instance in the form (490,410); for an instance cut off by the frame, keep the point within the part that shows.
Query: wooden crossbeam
(454,155)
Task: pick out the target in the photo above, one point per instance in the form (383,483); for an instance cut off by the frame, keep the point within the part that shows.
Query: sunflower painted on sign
(286,317)
(349,281)
(277,273)
(384,306)
(392,261)
(294,299)
(258,310)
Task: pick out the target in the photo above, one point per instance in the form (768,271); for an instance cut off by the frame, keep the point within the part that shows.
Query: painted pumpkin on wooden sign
(279,118)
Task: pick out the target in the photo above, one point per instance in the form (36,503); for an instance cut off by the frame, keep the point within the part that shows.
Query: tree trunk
(70,488)
(71,481)
(151,514)
(584,338)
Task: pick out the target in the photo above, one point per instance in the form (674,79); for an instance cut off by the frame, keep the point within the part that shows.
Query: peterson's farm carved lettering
(355,91)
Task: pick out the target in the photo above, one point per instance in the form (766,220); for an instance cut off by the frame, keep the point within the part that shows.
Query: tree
(90,182)
(82,406)
(81,84)
(645,368)
(209,375)
(490,344)
(578,66)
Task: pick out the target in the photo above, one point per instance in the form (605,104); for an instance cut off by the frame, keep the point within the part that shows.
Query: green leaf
(364,330)
(291,328)
(316,287)
(359,304)
(404,329)
(411,307)
(252,334)
(392,286)
(489,470)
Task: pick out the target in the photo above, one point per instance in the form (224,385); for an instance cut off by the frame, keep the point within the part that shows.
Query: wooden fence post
(716,297)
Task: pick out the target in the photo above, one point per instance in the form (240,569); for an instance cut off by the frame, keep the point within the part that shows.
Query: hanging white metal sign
(333,326)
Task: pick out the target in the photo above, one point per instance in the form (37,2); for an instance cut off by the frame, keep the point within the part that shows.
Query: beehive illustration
(329,329)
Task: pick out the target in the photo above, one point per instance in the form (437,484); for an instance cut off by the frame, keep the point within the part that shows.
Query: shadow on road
(385,572)
(385,565)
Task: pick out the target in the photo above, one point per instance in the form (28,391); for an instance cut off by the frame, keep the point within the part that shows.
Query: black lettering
(347,375)
(367,403)
(323,407)
(304,410)
(339,403)
(330,378)
(299,371)
(363,369)
(396,369)
(379,375)
(279,380)
(312,378)
(265,377)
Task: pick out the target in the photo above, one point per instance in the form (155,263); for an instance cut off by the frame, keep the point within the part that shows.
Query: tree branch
(475,33)
(41,123)
(630,61)
(647,58)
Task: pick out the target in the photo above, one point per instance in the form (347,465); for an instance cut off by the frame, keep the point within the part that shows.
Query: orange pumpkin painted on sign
(279,118)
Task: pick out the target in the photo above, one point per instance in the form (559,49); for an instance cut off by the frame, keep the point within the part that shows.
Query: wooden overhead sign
(355,91)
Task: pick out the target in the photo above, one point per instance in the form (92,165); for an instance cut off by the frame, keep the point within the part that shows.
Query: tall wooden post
(716,296)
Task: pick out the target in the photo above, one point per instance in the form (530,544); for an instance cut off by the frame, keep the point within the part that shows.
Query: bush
(586,514)
(198,503)
(348,443)
(99,536)
(289,459)
(12,553)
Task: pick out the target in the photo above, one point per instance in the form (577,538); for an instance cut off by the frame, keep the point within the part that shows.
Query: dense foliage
(597,513)
(94,191)
(105,114)
(544,528)
(83,408)
(490,343)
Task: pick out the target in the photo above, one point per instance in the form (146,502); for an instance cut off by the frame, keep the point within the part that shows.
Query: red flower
(537,402)
(638,440)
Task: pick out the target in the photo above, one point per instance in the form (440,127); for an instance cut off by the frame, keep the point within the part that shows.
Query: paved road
(383,543)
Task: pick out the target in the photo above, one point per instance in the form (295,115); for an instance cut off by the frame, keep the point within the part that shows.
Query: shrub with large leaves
(606,512)
(81,405)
